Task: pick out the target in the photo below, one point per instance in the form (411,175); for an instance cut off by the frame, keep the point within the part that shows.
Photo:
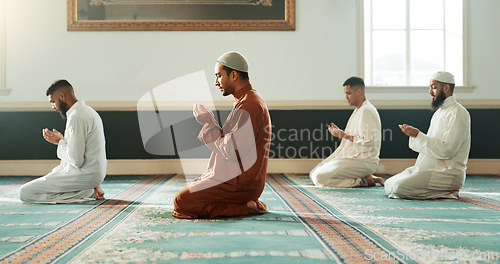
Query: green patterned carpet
(306,224)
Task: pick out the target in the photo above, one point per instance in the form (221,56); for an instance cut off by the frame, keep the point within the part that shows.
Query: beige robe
(83,161)
(439,171)
(353,160)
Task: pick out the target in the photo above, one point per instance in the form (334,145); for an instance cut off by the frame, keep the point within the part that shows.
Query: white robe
(353,160)
(442,159)
(83,161)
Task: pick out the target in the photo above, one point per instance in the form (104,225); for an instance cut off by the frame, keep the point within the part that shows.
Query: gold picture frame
(181,15)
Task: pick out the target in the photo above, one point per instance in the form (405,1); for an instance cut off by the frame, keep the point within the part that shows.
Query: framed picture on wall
(181,15)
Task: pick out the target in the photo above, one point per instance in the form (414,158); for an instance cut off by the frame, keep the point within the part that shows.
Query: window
(405,41)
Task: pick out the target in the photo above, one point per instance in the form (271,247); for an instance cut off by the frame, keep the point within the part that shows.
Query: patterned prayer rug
(306,224)
(79,221)
(464,230)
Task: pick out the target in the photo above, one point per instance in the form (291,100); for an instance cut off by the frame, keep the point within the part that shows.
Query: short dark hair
(57,86)
(452,85)
(354,81)
(243,75)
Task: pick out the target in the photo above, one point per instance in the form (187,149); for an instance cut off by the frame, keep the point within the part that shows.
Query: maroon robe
(237,168)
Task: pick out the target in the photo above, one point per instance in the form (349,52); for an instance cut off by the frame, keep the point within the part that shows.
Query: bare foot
(372,180)
(256,207)
(261,204)
(369,181)
(378,179)
(98,193)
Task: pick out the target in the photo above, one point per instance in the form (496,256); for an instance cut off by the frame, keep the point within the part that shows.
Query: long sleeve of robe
(353,160)
(238,164)
(83,161)
(440,169)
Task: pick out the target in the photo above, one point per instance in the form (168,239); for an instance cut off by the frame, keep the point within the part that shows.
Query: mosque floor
(306,224)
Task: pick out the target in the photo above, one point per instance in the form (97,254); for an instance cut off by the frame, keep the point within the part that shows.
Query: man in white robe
(439,171)
(356,159)
(81,150)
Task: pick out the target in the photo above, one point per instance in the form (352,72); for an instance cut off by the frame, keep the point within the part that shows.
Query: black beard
(63,108)
(438,102)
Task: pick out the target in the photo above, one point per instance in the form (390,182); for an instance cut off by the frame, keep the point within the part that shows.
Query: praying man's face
(352,95)
(437,93)
(222,80)
(58,105)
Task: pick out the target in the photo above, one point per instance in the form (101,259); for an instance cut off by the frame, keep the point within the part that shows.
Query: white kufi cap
(444,77)
(234,60)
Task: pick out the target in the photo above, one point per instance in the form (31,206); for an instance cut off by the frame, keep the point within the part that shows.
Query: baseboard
(197,166)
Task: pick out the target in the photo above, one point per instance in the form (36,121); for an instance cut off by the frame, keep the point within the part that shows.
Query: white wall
(307,64)
(484,48)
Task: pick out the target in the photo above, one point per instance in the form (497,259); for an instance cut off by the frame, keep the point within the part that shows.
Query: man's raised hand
(203,115)
(336,131)
(409,130)
(53,136)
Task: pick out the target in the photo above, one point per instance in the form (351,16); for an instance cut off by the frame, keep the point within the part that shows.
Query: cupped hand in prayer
(335,131)
(53,136)
(203,115)
(409,130)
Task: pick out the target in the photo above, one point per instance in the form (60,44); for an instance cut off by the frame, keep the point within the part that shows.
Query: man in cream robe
(357,157)
(81,150)
(439,171)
